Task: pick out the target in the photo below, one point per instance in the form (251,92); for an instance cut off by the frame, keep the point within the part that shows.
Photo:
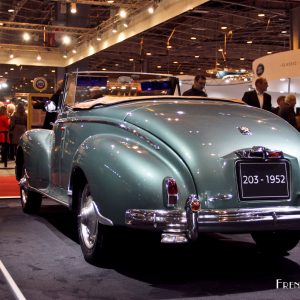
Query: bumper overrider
(180,226)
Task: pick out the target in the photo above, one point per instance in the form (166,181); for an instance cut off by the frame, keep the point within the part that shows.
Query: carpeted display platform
(9,187)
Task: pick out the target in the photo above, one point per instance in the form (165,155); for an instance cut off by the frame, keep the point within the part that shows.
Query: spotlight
(26,36)
(73,8)
(66,40)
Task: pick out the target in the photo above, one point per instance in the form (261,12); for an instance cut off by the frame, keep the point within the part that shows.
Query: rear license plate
(263,180)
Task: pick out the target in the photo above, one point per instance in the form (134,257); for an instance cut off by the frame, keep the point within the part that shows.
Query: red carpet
(9,187)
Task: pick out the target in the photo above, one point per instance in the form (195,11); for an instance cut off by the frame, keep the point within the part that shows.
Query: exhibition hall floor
(42,255)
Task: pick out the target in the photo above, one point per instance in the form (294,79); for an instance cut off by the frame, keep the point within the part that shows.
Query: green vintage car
(125,151)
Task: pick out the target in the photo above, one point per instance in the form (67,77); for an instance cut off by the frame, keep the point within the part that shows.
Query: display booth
(282,70)
(233,87)
(35,117)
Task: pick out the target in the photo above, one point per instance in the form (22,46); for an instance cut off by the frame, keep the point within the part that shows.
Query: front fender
(36,147)
(126,173)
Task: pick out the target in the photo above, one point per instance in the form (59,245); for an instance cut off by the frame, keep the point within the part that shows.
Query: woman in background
(4,128)
(11,108)
(18,124)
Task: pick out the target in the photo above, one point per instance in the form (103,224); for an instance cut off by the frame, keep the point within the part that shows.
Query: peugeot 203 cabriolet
(125,151)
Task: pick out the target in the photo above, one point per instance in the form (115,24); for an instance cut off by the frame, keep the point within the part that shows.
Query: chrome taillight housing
(170,192)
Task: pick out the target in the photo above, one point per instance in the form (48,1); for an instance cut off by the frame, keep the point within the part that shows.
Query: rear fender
(128,173)
(35,146)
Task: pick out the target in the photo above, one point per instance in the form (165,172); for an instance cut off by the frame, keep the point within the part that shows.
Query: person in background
(50,117)
(280,102)
(287,110)
(4,129)
(18,125)
(198,87)
(11,108)
(259,97)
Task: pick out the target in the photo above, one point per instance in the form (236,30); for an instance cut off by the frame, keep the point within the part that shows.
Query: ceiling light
(282,79)
(131,59)
(1,23)
(38,57)
(175,62)
(103,69)
(249,42)
(151,10)
(26,36)
(193,38)
(220,50)
(283,31)
(158,67)
(114,30)
(196,56)
(269,52)
(65,55)
(261,14)
(12,69)
(11,10)
(73,8)
(99,38)
(123,13)
(74,51)
(110,1)
(242,58)
(66,40)
(125,24)
(53,71)
(169,46)
(148,53)
(224,27)
(11,55)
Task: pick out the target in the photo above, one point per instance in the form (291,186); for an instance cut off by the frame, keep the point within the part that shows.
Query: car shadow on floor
(215,264)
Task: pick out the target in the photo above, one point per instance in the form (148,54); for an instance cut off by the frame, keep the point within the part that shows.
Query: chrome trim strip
(220,197)
(120,125)
(258,152)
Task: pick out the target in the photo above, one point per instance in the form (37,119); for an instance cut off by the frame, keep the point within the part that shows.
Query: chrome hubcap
(88,220)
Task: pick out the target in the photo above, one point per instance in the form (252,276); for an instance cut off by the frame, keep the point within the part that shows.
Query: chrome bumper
(189,223)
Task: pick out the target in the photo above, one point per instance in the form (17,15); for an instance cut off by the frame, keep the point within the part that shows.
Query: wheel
(30,200)
(276,242)
(93,236)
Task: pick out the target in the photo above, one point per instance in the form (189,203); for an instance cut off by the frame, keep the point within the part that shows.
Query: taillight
(171,192)
(274,154)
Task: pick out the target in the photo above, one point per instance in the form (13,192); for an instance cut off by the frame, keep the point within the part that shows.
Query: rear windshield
(93,86)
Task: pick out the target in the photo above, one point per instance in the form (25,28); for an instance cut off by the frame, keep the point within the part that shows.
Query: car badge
(244,130)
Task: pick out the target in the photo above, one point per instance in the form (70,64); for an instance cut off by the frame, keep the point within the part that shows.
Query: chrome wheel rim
(88,220)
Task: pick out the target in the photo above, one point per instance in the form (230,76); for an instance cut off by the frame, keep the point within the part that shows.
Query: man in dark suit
(258,97)
(197,88)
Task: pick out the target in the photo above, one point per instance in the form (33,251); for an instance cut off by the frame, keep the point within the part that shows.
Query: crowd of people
(13,123)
